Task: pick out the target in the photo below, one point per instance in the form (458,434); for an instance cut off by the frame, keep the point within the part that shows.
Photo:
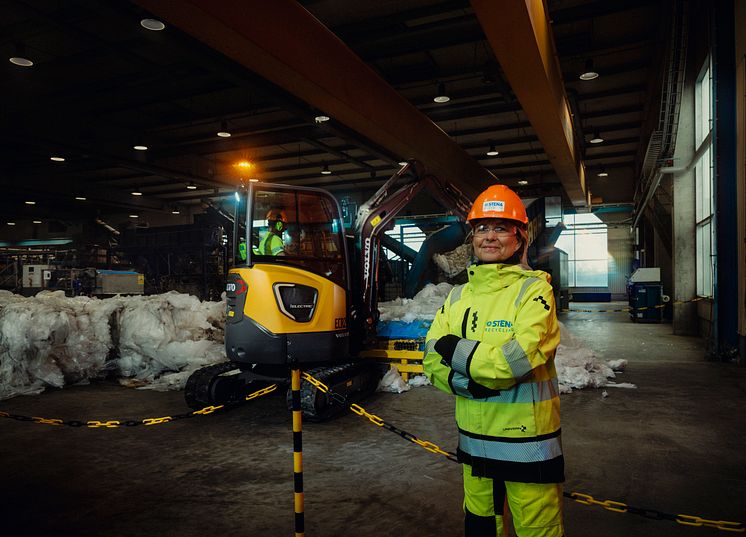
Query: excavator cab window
(295,226)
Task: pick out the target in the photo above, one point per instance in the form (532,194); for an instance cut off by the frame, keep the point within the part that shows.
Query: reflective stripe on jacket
(502,372)
(271,244)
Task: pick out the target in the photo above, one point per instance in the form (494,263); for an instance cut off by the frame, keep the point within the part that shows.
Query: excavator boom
(380,210)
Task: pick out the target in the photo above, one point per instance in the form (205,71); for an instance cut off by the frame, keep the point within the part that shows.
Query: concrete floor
(676,444)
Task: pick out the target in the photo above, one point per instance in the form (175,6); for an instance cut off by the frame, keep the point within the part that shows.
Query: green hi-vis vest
(502,373)
(271,244)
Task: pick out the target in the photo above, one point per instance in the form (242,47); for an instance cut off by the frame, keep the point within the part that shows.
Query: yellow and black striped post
(297,451)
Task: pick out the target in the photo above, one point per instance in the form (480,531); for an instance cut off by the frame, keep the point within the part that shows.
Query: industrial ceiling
(102,83)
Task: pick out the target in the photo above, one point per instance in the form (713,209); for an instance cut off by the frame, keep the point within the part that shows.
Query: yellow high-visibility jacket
(499,362)
(271,244)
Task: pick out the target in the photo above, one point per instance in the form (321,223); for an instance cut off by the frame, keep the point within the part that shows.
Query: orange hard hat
(277,214)
(498,201)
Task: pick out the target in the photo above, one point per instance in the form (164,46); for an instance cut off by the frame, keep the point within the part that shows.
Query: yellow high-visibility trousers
(536,508)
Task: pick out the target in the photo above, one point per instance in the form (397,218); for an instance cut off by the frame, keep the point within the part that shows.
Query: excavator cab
(287,298)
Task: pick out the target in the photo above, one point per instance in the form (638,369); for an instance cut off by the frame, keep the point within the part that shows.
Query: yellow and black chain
(376,420)
(685,520)
(625,310)
(585,499)
(113,424)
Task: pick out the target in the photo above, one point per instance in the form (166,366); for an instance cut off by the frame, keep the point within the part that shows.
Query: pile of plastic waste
(53,340)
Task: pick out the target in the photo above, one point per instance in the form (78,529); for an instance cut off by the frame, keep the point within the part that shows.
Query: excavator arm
(373,218)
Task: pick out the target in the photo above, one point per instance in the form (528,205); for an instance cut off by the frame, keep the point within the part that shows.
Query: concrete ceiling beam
(285,44)
(521,38)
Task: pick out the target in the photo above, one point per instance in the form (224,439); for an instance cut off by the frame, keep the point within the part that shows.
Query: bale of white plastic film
(168,334)
(157,341)
(51,340)
(422,307)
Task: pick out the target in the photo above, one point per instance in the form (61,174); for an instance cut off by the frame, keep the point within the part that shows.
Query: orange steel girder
(282,42)
(521,38)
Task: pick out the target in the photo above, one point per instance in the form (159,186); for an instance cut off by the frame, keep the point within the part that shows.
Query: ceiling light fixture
(57,159)
(441,96)
(223,132)
(403,163)
(175,211)
(22,62)
(140,147)
(589,73)
(492,152)
(253,180)
(522,182)
(11,223)
(134,216)
(602,172)
(80,198)
(36,222)
(325,170)
(20,58)
(191,186)
(321,118)
(136,193)
(152,24)
(597,139)
(30,202)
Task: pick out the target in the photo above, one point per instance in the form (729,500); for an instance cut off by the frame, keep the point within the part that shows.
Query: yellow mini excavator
(303,291)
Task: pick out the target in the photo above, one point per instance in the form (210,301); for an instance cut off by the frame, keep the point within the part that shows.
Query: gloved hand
(446,346)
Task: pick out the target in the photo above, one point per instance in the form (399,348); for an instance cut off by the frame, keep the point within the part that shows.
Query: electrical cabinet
(35,276)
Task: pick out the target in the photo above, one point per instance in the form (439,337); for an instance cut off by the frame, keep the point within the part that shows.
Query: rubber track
(197,389)
(308,393)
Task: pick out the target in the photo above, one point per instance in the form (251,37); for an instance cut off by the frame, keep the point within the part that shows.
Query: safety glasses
(501,230)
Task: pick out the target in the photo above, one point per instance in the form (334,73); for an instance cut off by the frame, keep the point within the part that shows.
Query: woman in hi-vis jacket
(492,345)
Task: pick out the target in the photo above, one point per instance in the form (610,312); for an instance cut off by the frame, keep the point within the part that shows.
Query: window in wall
(586,242)
(703,174)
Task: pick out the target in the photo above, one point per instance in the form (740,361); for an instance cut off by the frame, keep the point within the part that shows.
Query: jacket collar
(493,276)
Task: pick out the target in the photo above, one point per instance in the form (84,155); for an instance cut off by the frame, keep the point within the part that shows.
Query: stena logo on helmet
(496,206)
(230,287)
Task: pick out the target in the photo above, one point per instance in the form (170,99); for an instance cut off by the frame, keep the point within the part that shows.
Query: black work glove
(446,346)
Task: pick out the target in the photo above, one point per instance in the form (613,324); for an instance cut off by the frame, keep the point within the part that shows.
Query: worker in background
(492,345)
(272,243)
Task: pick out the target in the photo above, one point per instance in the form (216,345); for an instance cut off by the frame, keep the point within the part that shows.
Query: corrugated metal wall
(620,261)
(620,265)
